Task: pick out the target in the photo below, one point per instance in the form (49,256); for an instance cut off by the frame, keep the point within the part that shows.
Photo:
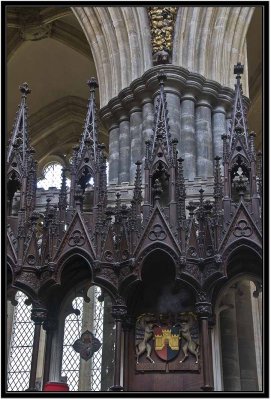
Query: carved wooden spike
(161,132)
(239,120)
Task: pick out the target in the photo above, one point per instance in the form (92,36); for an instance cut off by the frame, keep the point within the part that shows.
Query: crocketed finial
(25,89)
(92,84)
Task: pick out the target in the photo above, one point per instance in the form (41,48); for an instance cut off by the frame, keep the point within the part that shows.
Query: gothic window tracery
(52,176)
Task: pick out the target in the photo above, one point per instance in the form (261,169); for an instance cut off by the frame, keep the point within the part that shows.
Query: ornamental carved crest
(242,229)
(87,345)
(166,343)
(157,233)
(76,239)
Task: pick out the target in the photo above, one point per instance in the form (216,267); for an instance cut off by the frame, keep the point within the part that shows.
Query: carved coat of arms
(166,342)
(175,342)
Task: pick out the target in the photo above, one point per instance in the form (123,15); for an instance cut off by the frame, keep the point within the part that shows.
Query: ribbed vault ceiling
(114,44)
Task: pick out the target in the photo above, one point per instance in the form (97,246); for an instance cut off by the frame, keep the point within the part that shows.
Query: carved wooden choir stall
(161,260)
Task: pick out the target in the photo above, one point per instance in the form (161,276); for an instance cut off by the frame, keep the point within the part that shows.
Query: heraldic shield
(166,342)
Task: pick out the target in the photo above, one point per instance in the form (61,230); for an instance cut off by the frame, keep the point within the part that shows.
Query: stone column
(247,356)
(136,140)
(119,312)
(87,324)
(228,122)
(10,313)
(216,354)
(219,128)
(107,372)
(188,136)
(147,123)
(114,154)
(41,357)
(147,128)
(124,151)
(229,344)
(38,315)
(204,140)
(49,326)
(174,111)
(203,310)
(127,326)
(256,302)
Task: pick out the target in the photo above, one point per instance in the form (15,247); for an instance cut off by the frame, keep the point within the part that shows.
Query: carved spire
(181,195)
(217,184)
(19,138)
(138,183)
(86,161)
(200,211)
(161,133)
(239,121)
(102,194)
(135,215)
(117,208)
(62,203)
(260,173)
(90,128)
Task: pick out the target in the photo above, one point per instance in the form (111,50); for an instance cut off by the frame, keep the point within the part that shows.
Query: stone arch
(69,260)
(221,30)
(235,250)
(154,247)
(157,280)
(171,273)
(120,42)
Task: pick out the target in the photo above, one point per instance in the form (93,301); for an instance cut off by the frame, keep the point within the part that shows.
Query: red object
(56,387)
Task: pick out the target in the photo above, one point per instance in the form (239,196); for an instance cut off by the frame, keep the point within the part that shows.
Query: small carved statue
(145,323)
(190,345)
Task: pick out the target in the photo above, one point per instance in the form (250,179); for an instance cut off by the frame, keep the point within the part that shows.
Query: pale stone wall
(211,40)
(207,40)
(120,42)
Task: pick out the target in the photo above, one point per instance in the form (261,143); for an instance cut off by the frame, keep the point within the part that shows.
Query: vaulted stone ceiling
(54,49)
(47,49)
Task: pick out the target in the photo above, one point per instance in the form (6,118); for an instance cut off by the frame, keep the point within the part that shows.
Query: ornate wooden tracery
(116,240)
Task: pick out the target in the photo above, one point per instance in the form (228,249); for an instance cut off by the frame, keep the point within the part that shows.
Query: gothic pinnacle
(92,84)
(161,77)
(24,88)
(238,69)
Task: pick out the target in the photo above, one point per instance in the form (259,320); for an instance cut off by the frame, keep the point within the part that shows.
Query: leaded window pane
(71,363)
(20,354)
